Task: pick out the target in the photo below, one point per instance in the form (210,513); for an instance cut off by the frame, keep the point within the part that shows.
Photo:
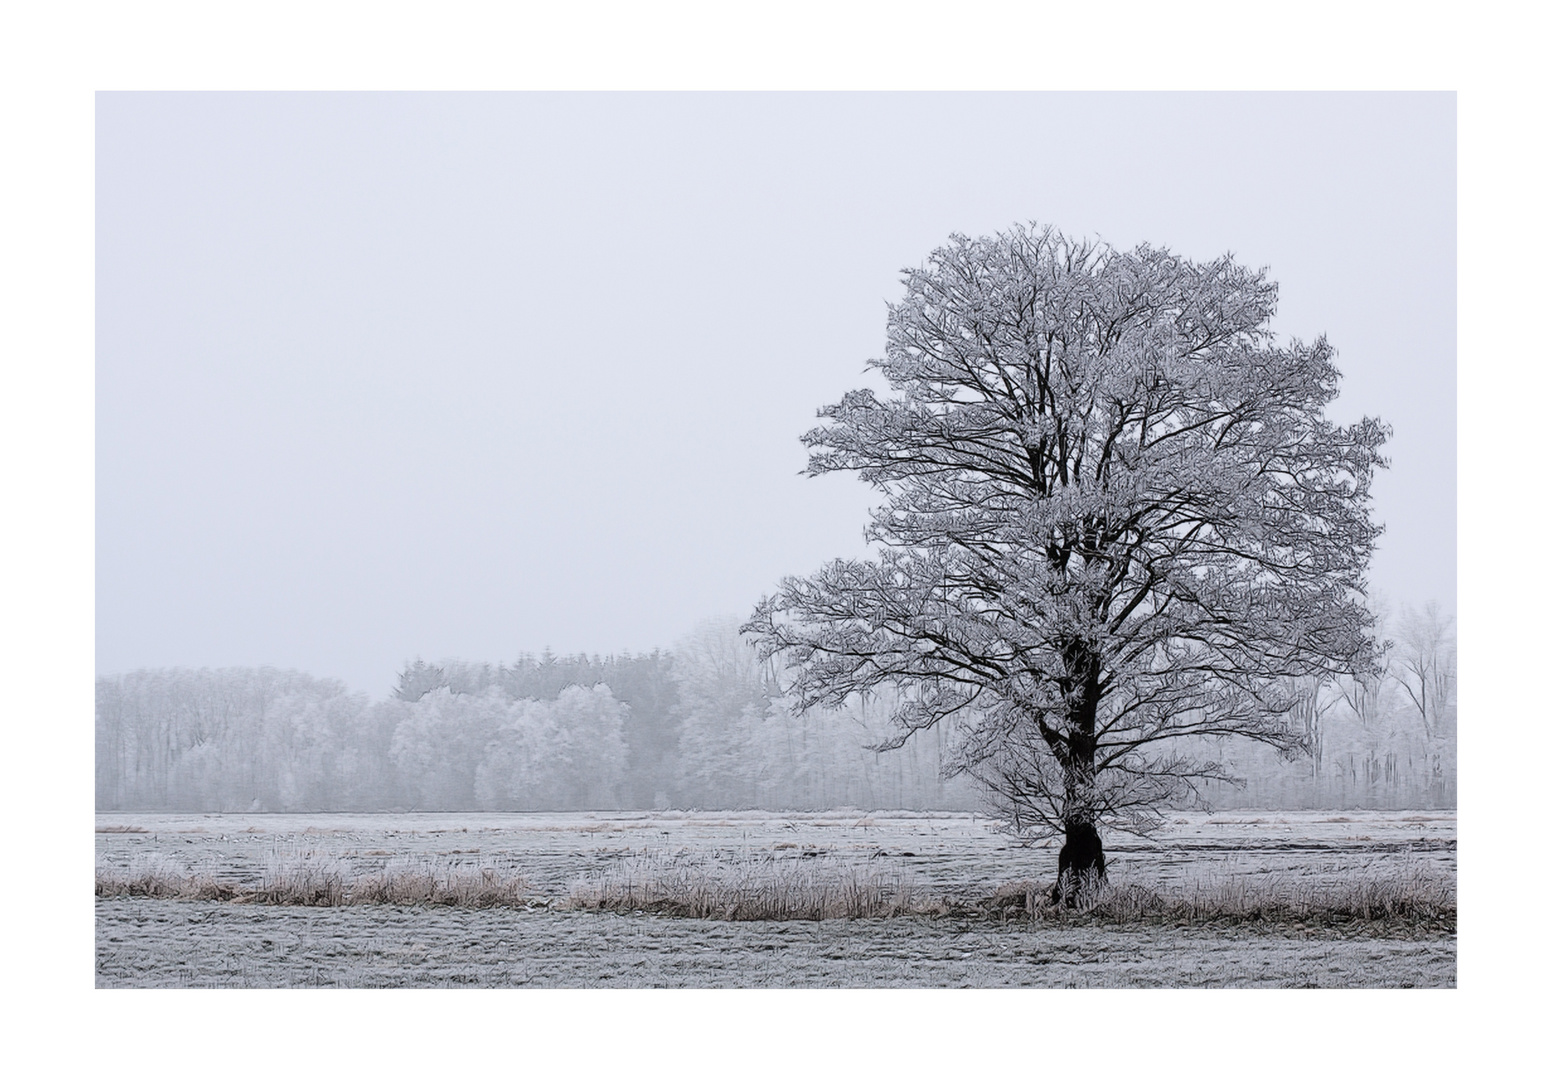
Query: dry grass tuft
(793,887)
(1415,897)
(309,881)
(453,885)
(749,888)
(161,877)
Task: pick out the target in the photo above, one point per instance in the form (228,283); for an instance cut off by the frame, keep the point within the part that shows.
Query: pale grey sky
(389,375)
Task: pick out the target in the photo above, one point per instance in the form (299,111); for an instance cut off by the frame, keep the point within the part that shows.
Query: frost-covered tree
(564,754)
(237,739)
(1365,692)
(1114,515)
(511,773)
(587,747)
(419,679)
(439,742)
(722,708)
(1425,665)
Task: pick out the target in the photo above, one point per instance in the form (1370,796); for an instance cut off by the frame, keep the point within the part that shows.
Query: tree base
(1080,866)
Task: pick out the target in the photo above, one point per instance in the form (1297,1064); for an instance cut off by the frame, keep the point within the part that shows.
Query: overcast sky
(381,376)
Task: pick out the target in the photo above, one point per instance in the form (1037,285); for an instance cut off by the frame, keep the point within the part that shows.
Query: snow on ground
(175,943)
(958,854)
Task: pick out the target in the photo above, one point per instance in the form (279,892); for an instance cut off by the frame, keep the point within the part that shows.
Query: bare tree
(1313,699)
(723,703)
(1425,664)
(1365,691)
(1114,516)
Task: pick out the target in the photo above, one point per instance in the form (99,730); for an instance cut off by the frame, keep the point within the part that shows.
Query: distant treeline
(700,726)
(704,725)
(1384,742)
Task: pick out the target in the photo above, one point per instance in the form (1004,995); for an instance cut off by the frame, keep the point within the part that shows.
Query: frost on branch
(1113,515)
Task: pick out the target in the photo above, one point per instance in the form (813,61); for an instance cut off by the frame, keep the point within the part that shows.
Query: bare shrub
(749,888)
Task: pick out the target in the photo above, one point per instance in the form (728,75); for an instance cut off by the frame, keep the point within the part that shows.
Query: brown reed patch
(309,881)
(749,888)
(1414,898)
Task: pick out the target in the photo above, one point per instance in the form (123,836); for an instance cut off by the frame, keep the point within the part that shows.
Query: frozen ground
(178,943)
(172,943)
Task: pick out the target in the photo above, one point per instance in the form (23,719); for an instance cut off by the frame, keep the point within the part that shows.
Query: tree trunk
(1083,853)
(1081,862)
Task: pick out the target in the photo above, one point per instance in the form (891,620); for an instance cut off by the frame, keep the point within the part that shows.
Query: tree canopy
(1114,515)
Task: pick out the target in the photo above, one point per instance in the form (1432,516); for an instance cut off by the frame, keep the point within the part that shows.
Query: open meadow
(1276,898)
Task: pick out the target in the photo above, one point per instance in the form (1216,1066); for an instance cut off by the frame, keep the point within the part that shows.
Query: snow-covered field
(143,942)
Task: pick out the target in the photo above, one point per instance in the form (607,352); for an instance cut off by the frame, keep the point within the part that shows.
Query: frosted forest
(701,725)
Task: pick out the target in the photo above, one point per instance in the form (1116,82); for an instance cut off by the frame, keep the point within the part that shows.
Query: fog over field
(701,725)
(684,540)
(382,376)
